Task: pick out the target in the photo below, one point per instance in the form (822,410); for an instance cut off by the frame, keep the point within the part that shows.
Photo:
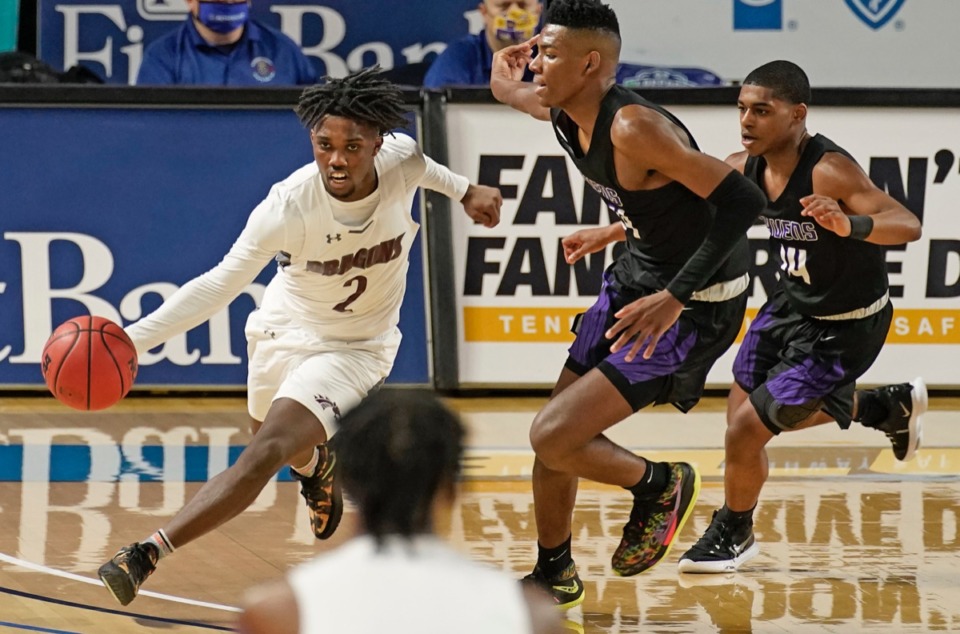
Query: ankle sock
(161,542)
(653,482)
(870,409)
(736,517)
(311,466)
(553,561)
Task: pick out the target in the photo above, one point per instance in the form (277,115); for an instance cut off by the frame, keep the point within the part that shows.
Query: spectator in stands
(467,61)
(220,45)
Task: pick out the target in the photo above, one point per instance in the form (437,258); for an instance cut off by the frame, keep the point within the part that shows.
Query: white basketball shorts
(328,377)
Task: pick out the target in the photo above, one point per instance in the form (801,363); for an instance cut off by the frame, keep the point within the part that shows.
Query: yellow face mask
(515,26)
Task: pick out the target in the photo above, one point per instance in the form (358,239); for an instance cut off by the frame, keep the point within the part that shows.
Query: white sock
(308,469)
(162,542)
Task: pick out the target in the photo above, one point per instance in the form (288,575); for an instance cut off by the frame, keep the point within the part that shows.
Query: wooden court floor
(851,540)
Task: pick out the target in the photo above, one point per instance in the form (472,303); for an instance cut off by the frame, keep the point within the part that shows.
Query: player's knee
(264,455)
(779,416)
(545,441)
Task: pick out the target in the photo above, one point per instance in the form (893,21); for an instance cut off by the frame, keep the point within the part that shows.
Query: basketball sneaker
(128,569)
(905,403)
(722,548)
(566,588)
(322,493)
(653,527)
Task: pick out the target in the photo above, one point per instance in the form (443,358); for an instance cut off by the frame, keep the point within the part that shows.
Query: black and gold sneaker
(322,494)
(128,569)
(566,589)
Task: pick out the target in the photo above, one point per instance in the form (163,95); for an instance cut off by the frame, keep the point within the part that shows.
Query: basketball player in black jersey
(826,322)
(676,293)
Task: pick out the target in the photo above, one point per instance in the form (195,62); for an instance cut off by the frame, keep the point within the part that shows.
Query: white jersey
(420,585)
(343,266)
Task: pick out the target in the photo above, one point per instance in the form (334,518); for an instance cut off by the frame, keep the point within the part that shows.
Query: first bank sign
(109,38)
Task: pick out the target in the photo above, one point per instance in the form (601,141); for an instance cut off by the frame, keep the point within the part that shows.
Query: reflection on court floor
(850,539)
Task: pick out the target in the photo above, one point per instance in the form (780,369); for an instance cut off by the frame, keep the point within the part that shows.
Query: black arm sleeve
(738,203)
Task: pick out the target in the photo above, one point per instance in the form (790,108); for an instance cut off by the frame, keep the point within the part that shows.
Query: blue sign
(757,15)
(875,13)
(108,36)
(108,210)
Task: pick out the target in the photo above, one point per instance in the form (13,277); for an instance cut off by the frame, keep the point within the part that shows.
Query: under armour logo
(333,236)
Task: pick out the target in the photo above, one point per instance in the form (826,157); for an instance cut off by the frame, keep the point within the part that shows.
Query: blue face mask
(223,17)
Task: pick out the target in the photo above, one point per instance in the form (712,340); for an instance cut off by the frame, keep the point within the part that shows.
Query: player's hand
(510,62)
(827,213)
(644,321)
(584,242)
(482,203)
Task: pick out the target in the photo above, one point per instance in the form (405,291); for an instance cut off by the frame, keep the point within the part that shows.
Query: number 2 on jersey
(361,281)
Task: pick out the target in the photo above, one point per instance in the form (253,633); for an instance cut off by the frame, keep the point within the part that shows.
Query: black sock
(553,561)
(653,482)
(870,409)
(736,517)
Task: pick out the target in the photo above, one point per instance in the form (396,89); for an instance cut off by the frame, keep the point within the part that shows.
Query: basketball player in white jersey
(399,457)
(326,333)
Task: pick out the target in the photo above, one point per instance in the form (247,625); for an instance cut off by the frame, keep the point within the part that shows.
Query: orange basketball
(89,363)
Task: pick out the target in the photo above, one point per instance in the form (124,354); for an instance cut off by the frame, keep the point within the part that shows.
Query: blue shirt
(468,61)
(465,62)
(263,57)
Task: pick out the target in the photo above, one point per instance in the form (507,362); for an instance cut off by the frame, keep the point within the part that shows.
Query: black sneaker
(653,527)
(128,569)
(905,403)
(322,493)
(722,548)
(566,588)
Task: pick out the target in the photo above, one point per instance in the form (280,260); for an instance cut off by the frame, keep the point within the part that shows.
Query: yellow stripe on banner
(518,324)
(552,325)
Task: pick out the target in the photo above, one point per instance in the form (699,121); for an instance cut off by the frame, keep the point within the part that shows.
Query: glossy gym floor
(851,540)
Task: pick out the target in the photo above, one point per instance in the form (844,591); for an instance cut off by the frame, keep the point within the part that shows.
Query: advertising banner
(517,297)
(107,211)
(864,43)
(109,36)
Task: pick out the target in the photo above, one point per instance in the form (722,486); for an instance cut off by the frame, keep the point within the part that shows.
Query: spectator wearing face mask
(467,61)
(219,44)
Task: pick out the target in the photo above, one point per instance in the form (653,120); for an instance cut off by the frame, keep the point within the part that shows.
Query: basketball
(89,363)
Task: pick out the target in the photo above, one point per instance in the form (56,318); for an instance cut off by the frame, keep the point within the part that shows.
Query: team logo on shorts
(263,69)
(326,403)
(875,13)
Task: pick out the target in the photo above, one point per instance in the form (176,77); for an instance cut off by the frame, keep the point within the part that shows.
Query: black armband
(860,227)
(739,203)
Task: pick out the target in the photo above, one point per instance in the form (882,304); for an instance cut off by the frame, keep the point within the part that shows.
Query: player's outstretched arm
(586,241)
(202,297)
(846,201)
(506,80)
(481,202)
(665,149)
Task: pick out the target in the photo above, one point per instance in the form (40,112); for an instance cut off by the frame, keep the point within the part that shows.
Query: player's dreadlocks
(395,452)
(363,96)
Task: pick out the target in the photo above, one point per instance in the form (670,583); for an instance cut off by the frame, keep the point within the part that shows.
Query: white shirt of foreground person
(416,585)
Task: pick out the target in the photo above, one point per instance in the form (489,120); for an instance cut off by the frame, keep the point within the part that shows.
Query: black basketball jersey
(821,273)
(664,226)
